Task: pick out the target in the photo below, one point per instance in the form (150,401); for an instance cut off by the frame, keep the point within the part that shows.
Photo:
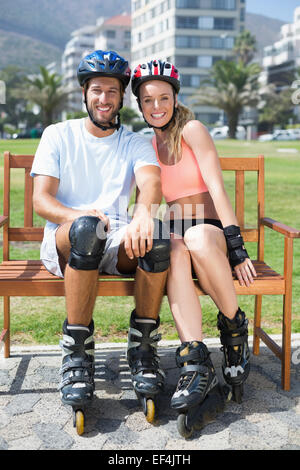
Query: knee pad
(87,236)
(157,259)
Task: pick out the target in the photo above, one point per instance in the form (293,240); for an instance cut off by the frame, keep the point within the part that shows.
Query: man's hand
(139,236)
(96,213)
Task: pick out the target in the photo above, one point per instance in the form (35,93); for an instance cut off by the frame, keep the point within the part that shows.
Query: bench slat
(21,278)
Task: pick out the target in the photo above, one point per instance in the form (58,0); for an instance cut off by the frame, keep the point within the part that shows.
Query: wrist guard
(235,244)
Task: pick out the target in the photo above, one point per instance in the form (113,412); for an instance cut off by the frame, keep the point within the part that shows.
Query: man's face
(103,98)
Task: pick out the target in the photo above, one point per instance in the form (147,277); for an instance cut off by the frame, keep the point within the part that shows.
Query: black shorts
(180,226)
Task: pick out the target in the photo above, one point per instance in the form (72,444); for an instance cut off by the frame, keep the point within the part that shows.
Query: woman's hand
(245,272)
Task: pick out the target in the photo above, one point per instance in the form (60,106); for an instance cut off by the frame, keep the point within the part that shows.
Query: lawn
(39,320)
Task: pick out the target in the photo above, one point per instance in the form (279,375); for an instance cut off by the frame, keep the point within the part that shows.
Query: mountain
(270,27)
(35,33)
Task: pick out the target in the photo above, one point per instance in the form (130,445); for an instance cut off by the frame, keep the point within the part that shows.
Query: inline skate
(77,371)
(146,375)
(199,396)
(234,339)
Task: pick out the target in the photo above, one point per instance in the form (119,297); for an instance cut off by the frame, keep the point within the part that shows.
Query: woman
(204,236)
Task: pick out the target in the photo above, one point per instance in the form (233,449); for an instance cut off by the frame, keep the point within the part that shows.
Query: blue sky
(279,9)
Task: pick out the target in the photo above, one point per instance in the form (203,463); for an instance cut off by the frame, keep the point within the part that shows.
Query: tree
(279,109)
(46,91)
(231,87)
(245,47)
(14,111)
(128,115)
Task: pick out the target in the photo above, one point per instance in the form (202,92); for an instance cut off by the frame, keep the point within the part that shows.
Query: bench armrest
(3,220)
(281,228)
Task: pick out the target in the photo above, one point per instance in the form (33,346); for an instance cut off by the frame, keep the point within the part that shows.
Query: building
(282,58)
(114,34)
(192,34)
(108,34)
(82,42)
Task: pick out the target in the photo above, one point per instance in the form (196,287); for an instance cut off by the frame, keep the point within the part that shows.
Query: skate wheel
(150,410)
(237,393)
(183,430)
(79,422)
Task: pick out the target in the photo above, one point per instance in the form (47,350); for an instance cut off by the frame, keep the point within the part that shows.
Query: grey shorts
(49,255)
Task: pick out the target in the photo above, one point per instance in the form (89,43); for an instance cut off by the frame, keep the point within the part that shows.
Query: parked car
(33,133)
(296,133)
(222,133)
(279,134)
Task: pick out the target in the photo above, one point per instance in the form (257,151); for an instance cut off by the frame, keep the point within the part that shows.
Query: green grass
(39,320)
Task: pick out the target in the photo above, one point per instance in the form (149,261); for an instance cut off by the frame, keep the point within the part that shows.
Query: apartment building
(107,34)
(283,57)
(114,34)
(82,41)
(193,34)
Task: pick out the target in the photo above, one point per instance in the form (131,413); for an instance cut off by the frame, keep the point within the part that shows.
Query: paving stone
(33,417)
(20,426)
(150,439)
(23,403)
(4,378)
(3,444)
(26,443)
(52,437)
(4,419)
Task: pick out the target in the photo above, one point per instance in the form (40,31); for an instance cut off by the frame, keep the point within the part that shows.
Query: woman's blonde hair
(173,137)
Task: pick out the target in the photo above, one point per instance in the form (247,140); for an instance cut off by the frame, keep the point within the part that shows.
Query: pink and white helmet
(155,70)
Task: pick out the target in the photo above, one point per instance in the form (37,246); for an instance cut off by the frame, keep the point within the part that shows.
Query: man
(84,170)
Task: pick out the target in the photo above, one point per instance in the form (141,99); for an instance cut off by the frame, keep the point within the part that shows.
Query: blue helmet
(104,64)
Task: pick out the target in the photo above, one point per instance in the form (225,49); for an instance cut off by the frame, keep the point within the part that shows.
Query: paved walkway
(32,417)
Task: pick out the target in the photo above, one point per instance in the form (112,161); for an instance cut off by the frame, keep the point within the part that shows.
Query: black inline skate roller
(234,339)
(146,375)
(77,371)
(198,397)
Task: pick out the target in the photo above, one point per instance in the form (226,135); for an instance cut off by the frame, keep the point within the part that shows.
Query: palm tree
(231,87)
(245,47)
(46,91)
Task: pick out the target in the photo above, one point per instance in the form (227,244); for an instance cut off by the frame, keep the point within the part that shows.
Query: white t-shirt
(93,172)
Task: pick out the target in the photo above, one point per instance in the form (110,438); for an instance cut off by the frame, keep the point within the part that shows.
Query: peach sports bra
(182,179)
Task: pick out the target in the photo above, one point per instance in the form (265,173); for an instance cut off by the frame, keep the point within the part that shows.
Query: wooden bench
(30,278)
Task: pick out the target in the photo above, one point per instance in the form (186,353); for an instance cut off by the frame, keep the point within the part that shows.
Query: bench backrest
(28,232)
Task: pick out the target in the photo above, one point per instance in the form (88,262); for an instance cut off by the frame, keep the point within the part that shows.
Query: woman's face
(157,102)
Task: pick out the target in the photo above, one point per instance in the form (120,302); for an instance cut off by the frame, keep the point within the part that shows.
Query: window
(224,4)
(186,61)
(110,34)
(224,23)
(217,42)
(206,22)
(190,80)
(207,4)
(136,5)
(204,61)
(190,22)
(188,3)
